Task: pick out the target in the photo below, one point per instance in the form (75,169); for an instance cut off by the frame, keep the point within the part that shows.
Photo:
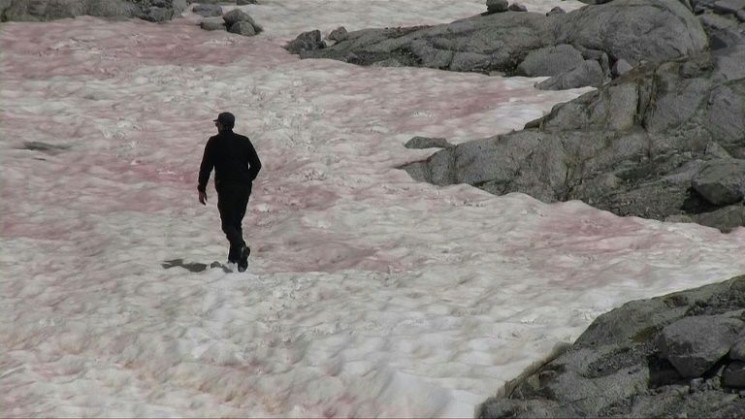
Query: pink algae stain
(100,49)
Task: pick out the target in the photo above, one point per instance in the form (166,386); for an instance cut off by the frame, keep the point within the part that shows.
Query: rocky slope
(582,48)
(680,355)
(665,141)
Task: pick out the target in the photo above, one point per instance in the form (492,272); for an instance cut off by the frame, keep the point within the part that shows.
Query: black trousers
(232,200)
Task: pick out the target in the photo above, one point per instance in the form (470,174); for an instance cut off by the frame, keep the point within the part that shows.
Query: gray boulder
(634,30)
(158,14)
(496,6)
(728,6)
(306,42)
(621,67)
(588,73)
(555,11)
(737,353)
(517,7)
(239,22)
(618,366)
(207,10)
(695,344)
(550,61)
(339,34)
(426,142)
(113,9)
(212,24)
(734,375)
(242,28)
(237,15)
(721,182)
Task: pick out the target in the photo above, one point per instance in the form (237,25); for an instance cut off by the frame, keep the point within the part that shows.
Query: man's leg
(228,199)
(241,204)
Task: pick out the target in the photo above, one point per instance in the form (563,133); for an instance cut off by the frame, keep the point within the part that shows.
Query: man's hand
(203,198)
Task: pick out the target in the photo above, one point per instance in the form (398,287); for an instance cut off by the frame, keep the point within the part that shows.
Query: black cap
(227,119)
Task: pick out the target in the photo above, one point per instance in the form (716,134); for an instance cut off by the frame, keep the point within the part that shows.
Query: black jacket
(234,159)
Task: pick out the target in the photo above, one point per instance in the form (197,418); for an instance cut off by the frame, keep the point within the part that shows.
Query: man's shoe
(243,261)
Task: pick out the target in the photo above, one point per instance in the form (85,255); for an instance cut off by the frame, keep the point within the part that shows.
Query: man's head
(225,121)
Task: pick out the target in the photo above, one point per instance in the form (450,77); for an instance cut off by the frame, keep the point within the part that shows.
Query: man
(236,166)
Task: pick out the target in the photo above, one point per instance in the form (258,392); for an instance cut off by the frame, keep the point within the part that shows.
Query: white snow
(368,294)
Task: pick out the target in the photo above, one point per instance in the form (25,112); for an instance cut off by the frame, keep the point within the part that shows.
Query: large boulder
(527,43)
(662,357)
(307,41)
(239,22)
(722,181)
(635,30)
(550,61)
(693,345)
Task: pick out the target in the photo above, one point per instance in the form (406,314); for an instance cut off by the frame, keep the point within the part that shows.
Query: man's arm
(253,161)
(204,172)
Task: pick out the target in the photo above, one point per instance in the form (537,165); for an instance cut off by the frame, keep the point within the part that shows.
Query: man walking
(236,165)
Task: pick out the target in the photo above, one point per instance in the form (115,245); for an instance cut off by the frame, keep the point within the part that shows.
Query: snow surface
(368,294)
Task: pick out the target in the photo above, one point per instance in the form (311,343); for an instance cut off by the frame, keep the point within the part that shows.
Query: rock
(716,22)
(237,15)
(517,7)
(722,181)
(244,28)
(179,6)
(339,34)
(212,24)
(589,73)
(245,2)
(614,368)
(737,352)
(112,9)
(555,11)
(158,14)
(239,22)
(695,344)
(306,41)
(725,218)
(728,6)
(496,6)
(715,151)
(425,142)
(207,10)
(635,33)
(550,61)
(621,67)
(734,375)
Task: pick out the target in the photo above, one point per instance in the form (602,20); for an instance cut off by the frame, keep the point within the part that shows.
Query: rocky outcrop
(586,42)
(235,21)
(43,10)
(663,141)
(680,355)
